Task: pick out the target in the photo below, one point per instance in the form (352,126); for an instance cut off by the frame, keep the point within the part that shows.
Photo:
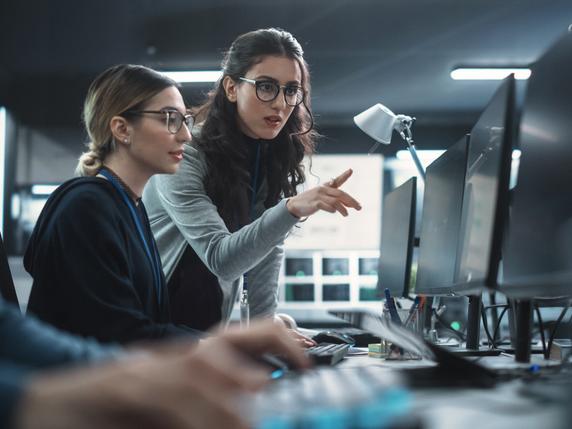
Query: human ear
(120,129)
(230,88)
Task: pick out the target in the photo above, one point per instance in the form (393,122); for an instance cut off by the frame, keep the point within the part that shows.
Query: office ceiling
(360,51)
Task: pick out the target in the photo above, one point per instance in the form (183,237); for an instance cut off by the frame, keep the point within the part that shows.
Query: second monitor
(440,221)
(397,238)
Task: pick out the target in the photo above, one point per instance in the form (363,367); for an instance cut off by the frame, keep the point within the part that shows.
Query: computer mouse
(333,337)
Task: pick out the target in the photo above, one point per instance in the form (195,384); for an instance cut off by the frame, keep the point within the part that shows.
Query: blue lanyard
(153,258)
(253,185)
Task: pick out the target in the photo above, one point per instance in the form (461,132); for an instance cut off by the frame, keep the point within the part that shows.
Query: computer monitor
(440,221)
(538,252)
(486,194)
(485,204)
(7,289)
(397,238)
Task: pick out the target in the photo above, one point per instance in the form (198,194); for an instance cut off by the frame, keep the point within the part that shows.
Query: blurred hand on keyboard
(302,339)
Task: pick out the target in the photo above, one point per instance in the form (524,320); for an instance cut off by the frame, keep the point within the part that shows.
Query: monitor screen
(485,198)
(397,237)
(538,252)
(440,221)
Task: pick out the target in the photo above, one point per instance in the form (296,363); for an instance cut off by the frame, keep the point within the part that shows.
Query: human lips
(177,154)
(273,121)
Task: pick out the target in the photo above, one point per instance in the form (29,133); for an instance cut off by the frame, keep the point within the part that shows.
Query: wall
(46,156)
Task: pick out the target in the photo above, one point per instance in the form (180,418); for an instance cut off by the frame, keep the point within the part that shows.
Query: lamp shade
(377,122)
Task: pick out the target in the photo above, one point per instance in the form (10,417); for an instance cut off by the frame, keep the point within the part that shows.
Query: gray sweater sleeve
(180,201)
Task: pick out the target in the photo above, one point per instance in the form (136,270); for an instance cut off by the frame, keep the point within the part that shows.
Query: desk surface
(513,404)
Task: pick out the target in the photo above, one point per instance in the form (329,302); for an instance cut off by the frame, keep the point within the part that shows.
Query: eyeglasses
(268,90)
(173,118)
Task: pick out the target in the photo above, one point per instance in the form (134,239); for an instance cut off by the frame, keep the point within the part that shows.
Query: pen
(412,310)
(392,308)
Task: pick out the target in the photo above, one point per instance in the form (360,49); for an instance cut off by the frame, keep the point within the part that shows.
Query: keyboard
(331,397)
(327,354)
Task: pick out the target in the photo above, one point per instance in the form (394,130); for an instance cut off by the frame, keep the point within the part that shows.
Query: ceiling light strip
(194,76)
(473,73)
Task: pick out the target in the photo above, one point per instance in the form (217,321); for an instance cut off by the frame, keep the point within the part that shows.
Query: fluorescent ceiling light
(43,189)
(194,76)
(427,156)
(474,73)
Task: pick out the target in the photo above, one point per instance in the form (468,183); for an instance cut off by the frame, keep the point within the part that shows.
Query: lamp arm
(413,152)
(403,126)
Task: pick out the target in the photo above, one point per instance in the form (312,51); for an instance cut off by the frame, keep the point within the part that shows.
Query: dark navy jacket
(91,274)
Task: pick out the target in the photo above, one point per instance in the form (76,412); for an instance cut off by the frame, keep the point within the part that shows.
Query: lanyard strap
(253,186)
(151,252)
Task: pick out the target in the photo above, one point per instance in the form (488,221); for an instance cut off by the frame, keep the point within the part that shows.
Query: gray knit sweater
(180,212)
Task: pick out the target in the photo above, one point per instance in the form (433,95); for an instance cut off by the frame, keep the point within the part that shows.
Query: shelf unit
(312,279)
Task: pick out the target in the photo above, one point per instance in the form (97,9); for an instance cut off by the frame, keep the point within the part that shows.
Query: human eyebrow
(173,109)
(269,78)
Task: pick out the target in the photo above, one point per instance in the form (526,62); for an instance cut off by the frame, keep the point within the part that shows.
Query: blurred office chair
(7,289)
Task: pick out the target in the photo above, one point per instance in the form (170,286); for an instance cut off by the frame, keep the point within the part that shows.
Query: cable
(499,321)
(490,307)
(541,327)
(486,326)
(459,335)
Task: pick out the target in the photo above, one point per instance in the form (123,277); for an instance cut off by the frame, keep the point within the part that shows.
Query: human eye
(174,117)
(267,86)
(292,90)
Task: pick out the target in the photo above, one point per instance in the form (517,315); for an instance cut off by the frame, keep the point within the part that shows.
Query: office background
(360,52)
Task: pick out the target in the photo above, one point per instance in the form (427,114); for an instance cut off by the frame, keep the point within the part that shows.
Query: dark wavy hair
(227,179)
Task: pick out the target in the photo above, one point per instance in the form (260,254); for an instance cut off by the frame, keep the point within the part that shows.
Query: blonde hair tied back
(115,92)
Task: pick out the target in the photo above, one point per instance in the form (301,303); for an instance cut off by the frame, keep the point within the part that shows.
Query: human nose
(184,134)
(279,101)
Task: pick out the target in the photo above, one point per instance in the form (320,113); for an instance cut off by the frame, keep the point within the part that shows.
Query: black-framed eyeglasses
(268,90)
(173,118)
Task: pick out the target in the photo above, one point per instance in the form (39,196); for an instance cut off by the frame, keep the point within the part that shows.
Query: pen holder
(414,321)
(389,351)
(397,353)
(411,322)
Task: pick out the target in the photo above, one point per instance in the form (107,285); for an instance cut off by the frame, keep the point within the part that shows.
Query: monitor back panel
(485,198)
(397,238)
(441,219)
(538,251)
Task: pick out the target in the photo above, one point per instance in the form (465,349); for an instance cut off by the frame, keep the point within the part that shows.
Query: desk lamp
(378,122)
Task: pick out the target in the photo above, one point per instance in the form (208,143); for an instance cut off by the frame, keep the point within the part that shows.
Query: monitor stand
(472,346)
(523,331)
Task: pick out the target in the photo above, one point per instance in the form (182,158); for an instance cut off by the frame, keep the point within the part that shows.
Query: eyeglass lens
(175,121)
(268,91)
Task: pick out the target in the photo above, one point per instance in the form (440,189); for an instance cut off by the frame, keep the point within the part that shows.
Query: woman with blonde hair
(92,256)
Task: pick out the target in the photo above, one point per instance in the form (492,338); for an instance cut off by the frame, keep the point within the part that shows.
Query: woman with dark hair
(224,216)
(92,255)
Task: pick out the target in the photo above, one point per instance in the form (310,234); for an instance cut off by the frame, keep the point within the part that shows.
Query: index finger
(341,179)
(267,337)
(345,198)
